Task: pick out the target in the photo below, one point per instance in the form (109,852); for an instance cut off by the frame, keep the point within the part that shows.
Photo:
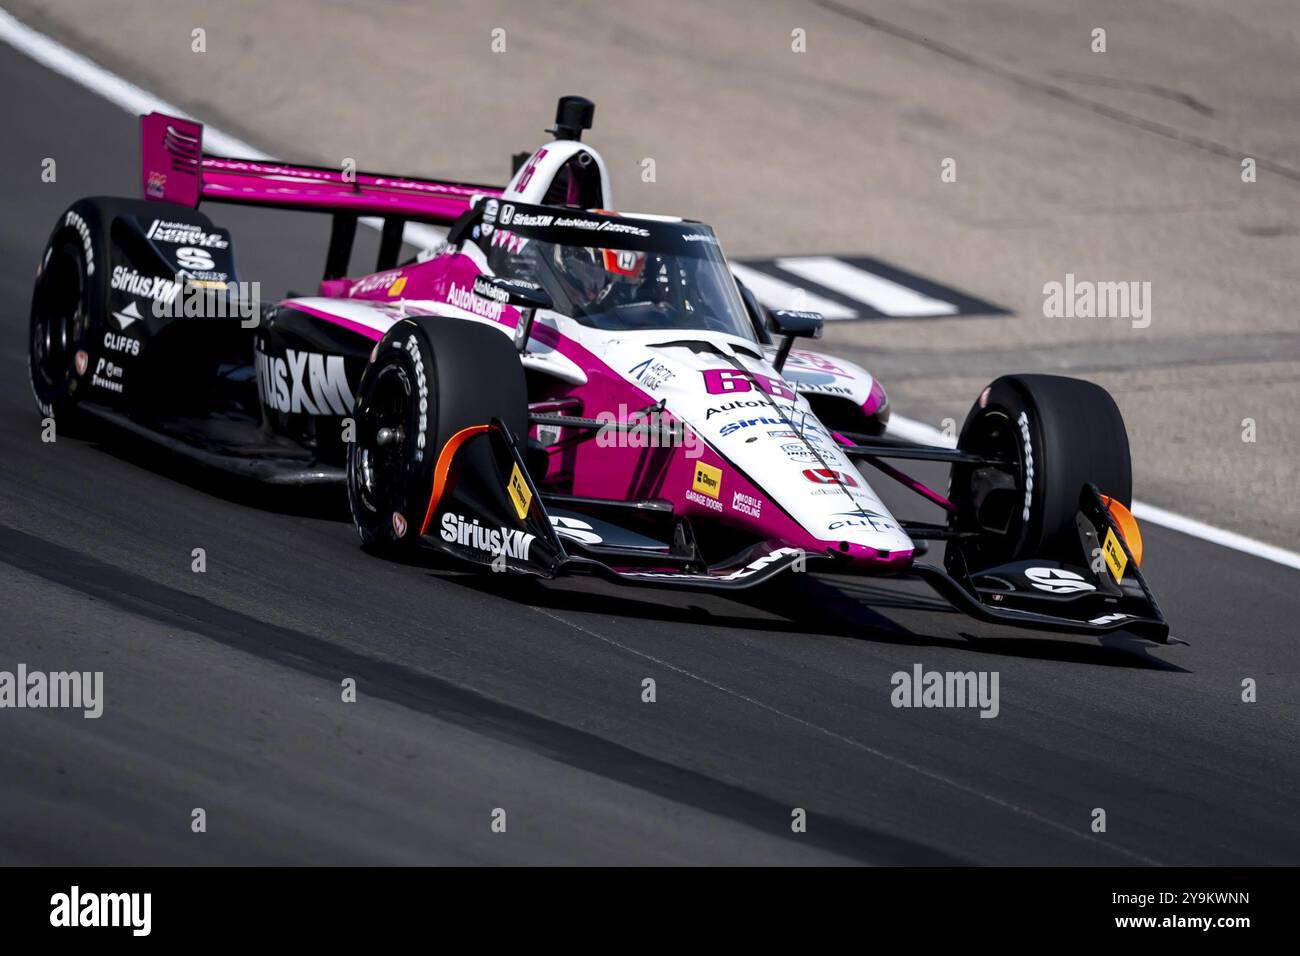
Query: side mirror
(790,326)
(526,296)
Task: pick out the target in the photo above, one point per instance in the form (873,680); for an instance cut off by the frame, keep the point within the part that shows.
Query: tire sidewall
(91,257)
(1067,433)
(404,351)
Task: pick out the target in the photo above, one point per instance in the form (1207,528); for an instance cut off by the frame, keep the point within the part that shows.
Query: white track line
(883,295)
(910,430)
(780,294)
(131,98)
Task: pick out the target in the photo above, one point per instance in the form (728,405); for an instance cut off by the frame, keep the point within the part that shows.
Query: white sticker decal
(1057,580)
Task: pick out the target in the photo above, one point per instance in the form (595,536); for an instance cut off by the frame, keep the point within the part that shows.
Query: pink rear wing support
(175,169)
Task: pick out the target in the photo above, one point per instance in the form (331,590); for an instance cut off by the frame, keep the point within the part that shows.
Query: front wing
(488,511)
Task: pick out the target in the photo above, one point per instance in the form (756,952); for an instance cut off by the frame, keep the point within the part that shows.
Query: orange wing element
(1128,527)
(444,465)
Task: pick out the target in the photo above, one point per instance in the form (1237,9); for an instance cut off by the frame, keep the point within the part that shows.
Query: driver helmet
(592,274)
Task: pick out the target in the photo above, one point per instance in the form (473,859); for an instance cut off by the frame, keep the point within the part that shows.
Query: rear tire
(1057,435)
(64,304)
(427,380)
(70,300)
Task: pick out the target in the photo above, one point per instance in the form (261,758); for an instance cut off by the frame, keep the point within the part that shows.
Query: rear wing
(175,169)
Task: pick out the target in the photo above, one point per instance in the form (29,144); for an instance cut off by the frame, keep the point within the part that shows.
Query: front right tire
(1055,436)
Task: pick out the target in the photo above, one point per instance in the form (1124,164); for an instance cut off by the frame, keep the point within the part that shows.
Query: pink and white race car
(559,388)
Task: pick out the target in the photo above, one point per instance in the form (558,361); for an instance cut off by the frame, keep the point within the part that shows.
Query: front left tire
(428,379)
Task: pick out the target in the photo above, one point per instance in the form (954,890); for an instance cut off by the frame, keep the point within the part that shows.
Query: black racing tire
(429,378)
(68,303)
(1057,435)
(70,299)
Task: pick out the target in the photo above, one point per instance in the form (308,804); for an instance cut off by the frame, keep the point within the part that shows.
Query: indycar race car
(558,388)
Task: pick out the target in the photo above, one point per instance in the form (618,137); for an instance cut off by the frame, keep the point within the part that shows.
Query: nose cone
(765,431)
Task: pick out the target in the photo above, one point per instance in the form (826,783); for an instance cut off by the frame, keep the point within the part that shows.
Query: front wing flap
(1098,595)
(752,567)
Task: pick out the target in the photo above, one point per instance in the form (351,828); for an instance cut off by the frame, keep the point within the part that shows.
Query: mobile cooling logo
(185,234)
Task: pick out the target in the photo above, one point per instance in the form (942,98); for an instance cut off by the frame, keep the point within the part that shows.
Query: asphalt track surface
(476,693)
